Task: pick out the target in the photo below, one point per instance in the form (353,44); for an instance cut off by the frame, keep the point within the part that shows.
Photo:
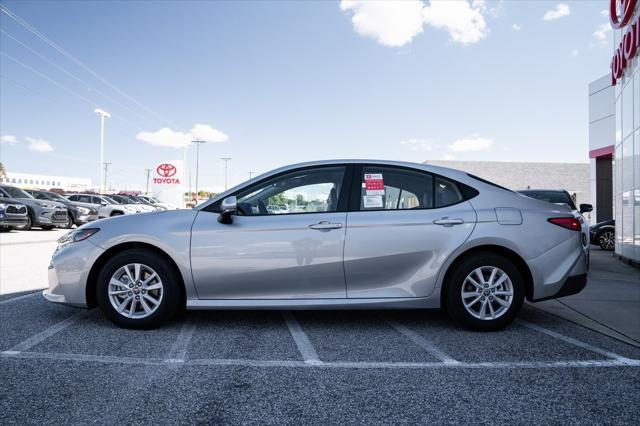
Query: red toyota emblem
(621,12)
(166,170)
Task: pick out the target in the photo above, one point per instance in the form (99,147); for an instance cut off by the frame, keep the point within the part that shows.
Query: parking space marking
(178,352)
(422,342)
(107,359)
(308,352)
(43,335)
(574,342)
(24,296)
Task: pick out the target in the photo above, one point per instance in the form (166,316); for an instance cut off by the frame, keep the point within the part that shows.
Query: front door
(286,242)
(401,229)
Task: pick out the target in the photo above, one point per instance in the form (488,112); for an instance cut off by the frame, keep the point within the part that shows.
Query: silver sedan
(351,234)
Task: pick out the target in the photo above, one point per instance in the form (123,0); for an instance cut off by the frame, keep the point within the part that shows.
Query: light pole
(106,168)
(197,142)
(226,160)
(251,175)
(147,191)
(103,115)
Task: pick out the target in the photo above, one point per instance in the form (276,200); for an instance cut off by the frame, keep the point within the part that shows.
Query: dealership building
(35,181)
(614,134)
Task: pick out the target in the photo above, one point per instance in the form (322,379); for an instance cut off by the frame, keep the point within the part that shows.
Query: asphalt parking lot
(66,365)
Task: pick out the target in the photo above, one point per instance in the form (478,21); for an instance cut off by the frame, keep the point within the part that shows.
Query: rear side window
(390,188)
(446,193)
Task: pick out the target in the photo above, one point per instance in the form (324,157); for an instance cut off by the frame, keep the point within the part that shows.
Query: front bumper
(51,217)
(85,218)
(11,220)
(69,271)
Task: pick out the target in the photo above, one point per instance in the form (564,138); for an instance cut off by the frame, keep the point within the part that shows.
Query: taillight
(566,222)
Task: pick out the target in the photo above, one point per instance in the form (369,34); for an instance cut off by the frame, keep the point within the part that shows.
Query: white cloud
(8,139)
(604,12)
(464,22)
(472,143)
(207,133)
(390,23)
(560,11)
(602,32)
(420,144)
(516,27)
(396,23)
(170,138)
(39,145)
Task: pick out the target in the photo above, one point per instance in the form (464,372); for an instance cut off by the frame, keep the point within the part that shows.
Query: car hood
(38,203)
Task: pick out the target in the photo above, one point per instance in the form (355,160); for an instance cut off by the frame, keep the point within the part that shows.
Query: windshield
(54,197)
(110,200)
(556,197)
(15,192)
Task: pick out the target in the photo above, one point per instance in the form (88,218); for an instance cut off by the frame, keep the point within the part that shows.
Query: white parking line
(574,342)
(178,352)
(13,299)
(305,346)
(43,335)
(422,342)
(105,359)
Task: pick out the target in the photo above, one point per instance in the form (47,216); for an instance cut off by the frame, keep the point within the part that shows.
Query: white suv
(106,206)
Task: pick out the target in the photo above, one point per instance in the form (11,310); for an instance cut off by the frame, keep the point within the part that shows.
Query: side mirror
(586,208)
(102,203)
(229,207)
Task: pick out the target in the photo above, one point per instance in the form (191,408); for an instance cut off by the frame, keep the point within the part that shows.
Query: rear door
(402,225)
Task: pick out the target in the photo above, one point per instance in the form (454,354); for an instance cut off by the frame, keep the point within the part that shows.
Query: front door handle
(445,221)
(325,226)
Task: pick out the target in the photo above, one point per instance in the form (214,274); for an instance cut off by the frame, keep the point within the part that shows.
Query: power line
(78,62)
(69,73)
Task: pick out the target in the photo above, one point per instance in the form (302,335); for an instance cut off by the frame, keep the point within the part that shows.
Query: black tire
(606,240)
(5,229)
(116,214)
(171,298)
(47,227)
(453,289)
(69,223)
(29,224)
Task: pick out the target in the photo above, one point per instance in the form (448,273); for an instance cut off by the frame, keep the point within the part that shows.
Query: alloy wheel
(607,240)
(135,291)
(487,293)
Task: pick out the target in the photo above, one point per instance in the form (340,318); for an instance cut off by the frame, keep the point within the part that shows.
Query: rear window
(556,197)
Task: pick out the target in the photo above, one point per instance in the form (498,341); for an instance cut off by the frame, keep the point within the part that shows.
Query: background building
(574,177)
(28,180)
(614,149)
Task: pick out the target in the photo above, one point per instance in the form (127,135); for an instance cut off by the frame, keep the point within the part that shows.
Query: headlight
(83,210)
(3,206)
(43,205)
(77,235)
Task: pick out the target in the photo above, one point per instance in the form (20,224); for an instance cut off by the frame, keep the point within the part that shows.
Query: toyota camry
(355,234)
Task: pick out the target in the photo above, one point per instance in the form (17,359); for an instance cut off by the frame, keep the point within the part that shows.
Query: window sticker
(374,184)
(372,201)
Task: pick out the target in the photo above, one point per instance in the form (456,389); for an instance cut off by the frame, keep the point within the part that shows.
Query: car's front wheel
(485,292)
(137,289)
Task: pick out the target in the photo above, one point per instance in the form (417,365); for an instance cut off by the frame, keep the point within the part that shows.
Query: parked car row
(24,209)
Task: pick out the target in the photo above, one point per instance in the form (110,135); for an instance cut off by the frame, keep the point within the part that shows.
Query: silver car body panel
(392,259)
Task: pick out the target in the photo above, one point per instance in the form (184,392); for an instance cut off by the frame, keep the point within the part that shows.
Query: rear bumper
(573,285)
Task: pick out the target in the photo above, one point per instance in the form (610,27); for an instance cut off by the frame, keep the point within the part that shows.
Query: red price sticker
(374,183)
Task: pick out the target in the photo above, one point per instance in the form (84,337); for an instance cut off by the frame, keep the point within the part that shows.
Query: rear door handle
(445,221)
(325,226)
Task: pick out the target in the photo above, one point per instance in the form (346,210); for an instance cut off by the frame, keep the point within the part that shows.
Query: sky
(274,83)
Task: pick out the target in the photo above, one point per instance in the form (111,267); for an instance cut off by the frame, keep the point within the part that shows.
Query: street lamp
(103,114)
(197,142)
(226,160)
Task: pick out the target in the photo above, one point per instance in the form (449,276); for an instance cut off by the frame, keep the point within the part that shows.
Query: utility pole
(106,168)
(251,175)
(103,115)
(226,160)
(197,142)
(147,191)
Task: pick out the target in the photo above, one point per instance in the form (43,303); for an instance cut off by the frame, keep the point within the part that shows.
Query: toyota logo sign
(166,174)
(626,7)
(621,13)
(166,170)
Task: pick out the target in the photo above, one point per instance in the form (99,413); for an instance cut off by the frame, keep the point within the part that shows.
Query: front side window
(302,191)
(390,188)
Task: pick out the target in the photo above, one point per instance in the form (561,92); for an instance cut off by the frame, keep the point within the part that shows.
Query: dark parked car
(13,214)
(77,213)
(45,214)
(603,234)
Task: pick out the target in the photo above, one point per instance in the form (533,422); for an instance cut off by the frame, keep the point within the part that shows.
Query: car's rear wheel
(137,289)
(607,240)
(485,292)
